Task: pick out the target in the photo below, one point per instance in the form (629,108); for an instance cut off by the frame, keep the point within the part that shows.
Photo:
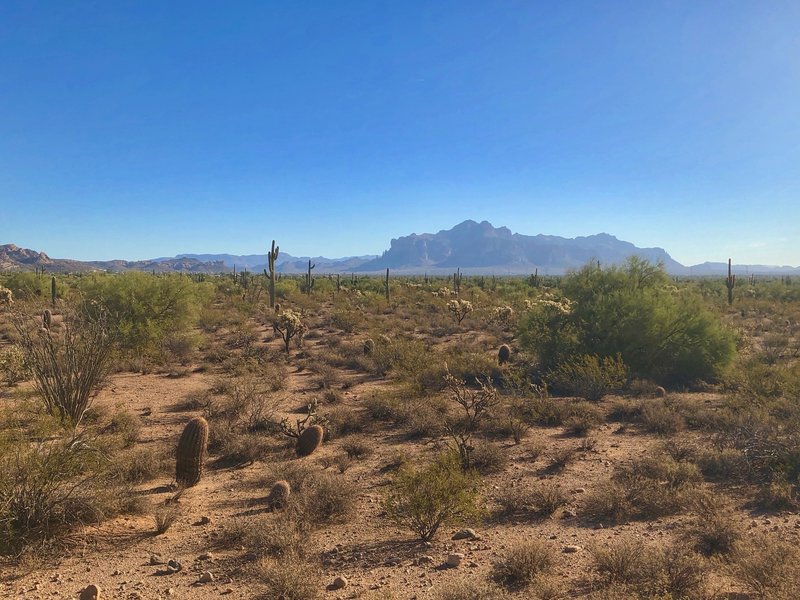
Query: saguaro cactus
(457,281)
(53,290)
(730,282)
(191,452)
(272,256)
(309,278)
(386,285)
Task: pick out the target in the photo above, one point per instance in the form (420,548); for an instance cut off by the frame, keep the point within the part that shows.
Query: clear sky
(148,128)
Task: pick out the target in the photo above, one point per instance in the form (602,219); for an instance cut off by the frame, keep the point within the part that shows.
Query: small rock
(204,520)
(453,560)
(90,592)
(339,583)
(569,513)
(155,560)
(206,556)
(465,534)
(392,561)
(173,566)
(425,559)
(572,549)
(170,591)
(206,577)
(579,490)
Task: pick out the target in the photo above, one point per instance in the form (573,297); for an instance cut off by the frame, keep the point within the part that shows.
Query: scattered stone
(579,490)
(339,583)
(173,566)
(90,592)
(204,520)
(392,561)
(453,560)
(425,559)
(572,549)
(569,513)
(206,577)
(206,556)
(156,560)
(465,534)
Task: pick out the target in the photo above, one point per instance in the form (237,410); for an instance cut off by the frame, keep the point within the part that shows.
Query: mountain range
(475,248)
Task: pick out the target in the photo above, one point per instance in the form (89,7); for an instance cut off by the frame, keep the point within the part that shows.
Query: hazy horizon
(135,131)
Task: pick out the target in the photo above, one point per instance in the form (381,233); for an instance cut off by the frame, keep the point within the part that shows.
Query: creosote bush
(523,563)
(439,493)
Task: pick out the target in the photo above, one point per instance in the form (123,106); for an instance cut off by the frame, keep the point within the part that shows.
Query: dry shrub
(523,563)
(488,458)
(768,566)
(560,458)
(651,487)
(165,517)
(661,416)
(715,530)
(467,589)
(317,498)
(126,426)
(583,417)
(344,421)
(357,447)
(650,571)
(139,465)
(288,579)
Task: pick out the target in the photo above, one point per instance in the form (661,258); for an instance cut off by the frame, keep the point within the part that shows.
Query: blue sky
(142,129)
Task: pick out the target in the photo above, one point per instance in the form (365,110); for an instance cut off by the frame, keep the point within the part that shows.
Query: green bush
(660,332)
(427,498)
(146,310)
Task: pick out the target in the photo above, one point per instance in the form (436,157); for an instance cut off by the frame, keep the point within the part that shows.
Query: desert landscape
(453,437)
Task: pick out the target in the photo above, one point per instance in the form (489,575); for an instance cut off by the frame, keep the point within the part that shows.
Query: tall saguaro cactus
(272,256)
(730,282)
(386,285)
(309,278)
(457,281)
(53,290)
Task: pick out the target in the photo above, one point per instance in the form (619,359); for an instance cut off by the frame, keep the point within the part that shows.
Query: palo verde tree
(635,312)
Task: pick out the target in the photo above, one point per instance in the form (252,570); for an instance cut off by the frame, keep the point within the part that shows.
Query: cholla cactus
(289,324)
(12,365)
(459,309)
(6,297)
(549,302)
(501,315)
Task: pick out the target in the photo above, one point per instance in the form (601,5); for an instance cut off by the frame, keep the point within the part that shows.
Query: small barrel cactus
(310,440)
(369,346)
(47,318)
(279,494)
(660,392)
(277,308)
(191,452)
(503,354)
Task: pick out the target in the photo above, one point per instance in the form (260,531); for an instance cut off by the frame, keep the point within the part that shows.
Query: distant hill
(482,248)
(13,258)
(475,248)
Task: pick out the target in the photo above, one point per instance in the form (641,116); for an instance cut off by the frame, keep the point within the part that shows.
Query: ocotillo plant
(272,256)
(309,278)
(386,285)
(53,290)
(730,282)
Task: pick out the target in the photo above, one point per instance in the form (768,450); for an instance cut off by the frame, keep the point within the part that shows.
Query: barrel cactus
(279,494)
(660,392)
(369,346)
(191,452)
(47,318)
(310,440)
(503,354)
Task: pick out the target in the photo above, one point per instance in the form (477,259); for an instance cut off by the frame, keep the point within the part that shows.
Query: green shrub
(147,311)
(425,499)
(589,376)
(661,333)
